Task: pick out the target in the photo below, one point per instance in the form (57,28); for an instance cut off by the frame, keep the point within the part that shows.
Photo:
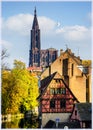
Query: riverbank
(9,117)
(19,121)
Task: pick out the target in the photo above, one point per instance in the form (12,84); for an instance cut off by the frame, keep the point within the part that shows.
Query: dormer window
(58,91)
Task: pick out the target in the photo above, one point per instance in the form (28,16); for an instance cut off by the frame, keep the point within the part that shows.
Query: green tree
(86,62)
(5,87)
(20,88)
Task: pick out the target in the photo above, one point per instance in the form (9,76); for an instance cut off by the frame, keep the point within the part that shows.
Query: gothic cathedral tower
(35,48)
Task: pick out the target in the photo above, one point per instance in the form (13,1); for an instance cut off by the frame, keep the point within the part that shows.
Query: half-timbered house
(56,99)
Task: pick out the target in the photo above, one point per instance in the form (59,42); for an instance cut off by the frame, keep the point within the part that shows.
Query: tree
(19,89)
(5,87)
(86,62)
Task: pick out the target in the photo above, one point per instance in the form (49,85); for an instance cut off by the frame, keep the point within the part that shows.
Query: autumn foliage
(19,90)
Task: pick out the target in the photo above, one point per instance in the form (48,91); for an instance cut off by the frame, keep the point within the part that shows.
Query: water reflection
(21,123)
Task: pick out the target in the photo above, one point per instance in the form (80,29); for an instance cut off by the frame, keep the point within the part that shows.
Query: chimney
(61,51)
(72,54)
(69,50)
(78,57)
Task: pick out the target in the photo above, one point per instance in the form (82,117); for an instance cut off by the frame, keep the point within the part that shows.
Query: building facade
(78,80)
(56,99)
(38,57)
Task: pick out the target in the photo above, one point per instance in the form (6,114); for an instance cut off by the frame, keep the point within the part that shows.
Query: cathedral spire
(34,54)
(35,21)
(35,12)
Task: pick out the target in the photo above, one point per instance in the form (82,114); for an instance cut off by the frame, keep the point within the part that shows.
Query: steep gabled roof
(76,59)
(46,81)
(85,111)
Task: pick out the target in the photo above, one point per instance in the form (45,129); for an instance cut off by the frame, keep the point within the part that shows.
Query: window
(43,59)
(63,103)
(75,112)
(52,103)
(57,91)
(49,57)
(35,58)
(87,82)
(63,91)
(65,67)
(46,59)
(53,57)
(52,91)
(58,81)
(72,69)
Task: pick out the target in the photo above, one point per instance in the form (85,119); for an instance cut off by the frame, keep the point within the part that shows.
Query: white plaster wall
(63,117)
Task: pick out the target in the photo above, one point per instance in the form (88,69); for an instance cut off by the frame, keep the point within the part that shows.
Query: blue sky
(60,23)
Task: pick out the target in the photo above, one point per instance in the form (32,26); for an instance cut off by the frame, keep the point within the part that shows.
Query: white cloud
(19,23)
(52,34)
(22,24)
(46,24)
(74,33)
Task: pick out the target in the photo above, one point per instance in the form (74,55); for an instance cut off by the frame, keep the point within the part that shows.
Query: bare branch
(4,54)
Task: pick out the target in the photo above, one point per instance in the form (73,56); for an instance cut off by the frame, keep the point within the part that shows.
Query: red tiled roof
(34,68)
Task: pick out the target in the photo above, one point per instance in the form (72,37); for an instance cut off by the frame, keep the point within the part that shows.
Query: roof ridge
(48,77)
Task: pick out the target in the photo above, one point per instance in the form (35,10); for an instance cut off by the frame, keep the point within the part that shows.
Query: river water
(21,123)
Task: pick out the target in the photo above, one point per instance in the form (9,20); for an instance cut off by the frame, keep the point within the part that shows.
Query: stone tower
(35,47)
